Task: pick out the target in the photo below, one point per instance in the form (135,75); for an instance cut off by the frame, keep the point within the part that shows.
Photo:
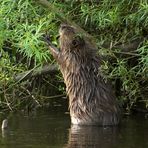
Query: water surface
(52,129)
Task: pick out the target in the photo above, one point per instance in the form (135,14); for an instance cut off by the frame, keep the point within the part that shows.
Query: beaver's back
(91,100)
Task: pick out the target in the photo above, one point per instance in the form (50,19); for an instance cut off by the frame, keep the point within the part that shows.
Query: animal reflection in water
(92,137)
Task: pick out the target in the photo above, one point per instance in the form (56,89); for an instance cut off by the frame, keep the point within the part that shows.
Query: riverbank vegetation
(28,78)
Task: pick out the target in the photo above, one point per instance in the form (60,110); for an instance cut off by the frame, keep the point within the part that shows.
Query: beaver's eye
(75,43)
(78,41)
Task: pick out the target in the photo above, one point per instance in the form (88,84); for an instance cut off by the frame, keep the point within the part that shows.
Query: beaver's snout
(63,26)
(66,29)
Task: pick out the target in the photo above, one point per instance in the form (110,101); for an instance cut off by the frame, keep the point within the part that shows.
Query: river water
(52,129)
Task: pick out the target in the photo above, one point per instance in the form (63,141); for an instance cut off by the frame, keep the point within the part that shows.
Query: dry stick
(31,95)
(22,77)
(52,97)
(127,53)
(35,72)
(7,102)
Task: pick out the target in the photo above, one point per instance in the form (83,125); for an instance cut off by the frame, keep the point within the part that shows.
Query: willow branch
(63,18)
(128,47)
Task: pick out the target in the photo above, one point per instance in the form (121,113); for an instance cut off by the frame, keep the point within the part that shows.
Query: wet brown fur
(91,100)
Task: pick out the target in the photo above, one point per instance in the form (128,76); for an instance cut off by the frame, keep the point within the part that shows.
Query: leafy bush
(24,22)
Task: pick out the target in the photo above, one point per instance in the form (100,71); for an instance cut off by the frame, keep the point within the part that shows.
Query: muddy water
(52,129)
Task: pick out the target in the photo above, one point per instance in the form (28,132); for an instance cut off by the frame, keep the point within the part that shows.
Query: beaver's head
(69,38)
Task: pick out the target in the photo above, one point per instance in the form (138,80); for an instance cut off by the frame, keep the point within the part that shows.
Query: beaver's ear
(78,41)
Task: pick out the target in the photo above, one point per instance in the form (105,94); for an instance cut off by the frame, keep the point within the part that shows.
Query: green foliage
(24,26)
(143,60)
(24,22)
(120,22)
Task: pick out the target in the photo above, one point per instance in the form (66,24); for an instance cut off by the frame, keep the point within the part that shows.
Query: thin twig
(52,97)
(127,53)
(7,102)
(31,95)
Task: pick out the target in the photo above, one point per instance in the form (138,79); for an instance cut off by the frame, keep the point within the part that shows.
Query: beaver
(91,99)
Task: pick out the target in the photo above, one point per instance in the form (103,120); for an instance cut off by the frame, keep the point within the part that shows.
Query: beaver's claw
(47,39)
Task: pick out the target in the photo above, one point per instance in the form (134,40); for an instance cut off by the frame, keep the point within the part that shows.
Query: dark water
(48,129)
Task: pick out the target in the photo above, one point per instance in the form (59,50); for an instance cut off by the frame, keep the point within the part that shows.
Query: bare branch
(36,72)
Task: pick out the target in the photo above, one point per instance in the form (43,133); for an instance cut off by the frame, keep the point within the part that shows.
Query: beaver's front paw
(47,39)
